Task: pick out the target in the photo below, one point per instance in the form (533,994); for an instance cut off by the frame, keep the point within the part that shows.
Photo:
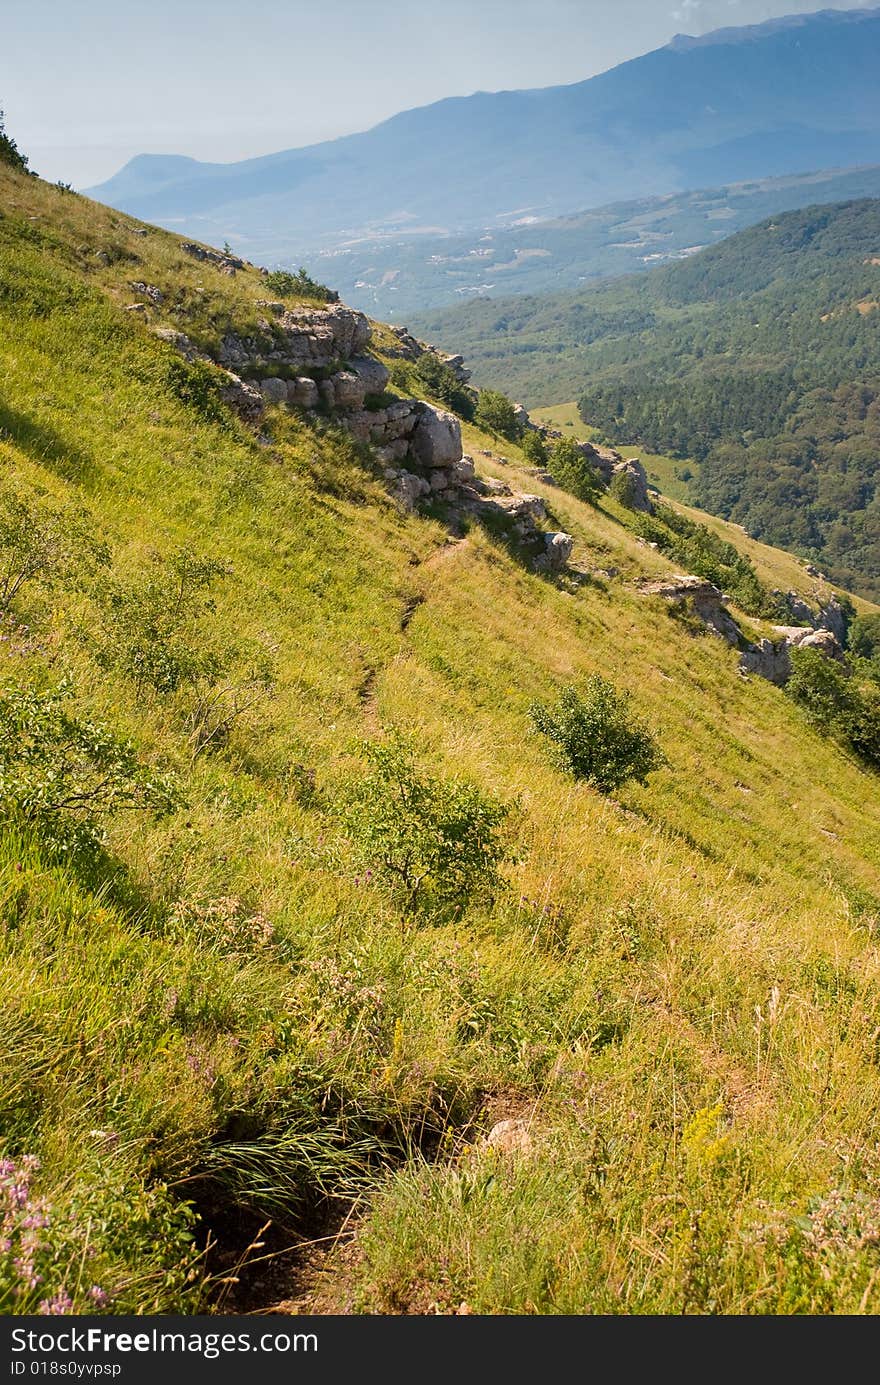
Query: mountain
(785,99)
(759,358)
(325,985)
(399,279)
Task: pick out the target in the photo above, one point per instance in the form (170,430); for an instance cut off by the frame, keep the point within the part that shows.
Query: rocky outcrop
(702,598)
(629,482)
(557,552)
(436,438)
(767,659)
(228,264)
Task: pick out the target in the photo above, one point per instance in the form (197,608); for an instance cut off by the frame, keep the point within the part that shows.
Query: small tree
(533,447)
(596,737)
(496,414)
(66,775)
(43,544)
(821,687)
(9,151)
(155,633)
(436,841)
(571,470)
(299,285)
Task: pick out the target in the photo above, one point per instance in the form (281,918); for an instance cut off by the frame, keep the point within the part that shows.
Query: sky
(88,84)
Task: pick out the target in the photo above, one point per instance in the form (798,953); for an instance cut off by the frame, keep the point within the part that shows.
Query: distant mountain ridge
(797,96)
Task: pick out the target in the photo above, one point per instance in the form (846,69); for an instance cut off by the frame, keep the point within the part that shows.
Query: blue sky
(88,84)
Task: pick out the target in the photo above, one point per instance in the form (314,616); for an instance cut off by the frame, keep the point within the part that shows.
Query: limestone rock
(767,660)
(510,1137)
(274,391)
(630,479)
(179,340)
(557,551)
(436,439)
(706,601)
(303,392)
(147,291)
(244,398)
(348,392)
(372,374)
(409,490)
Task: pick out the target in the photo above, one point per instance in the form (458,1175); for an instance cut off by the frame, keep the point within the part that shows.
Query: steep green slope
(216,1016)
(759,358)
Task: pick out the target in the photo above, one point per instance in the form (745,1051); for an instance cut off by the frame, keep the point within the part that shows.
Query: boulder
(409,490)
(767,660)
(273,390)
(244,398)
(510,1137)
(147,291)
(557,551)
(436,438)
(179,340)
(327,393)
(348,392)
(372,374)
(303,392)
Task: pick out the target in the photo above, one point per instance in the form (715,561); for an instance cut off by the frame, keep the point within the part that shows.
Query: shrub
(299,285)
(572,470)
(533,447)
(596,737)
(9,150)
(437,842)
(43,543)
(442,383)
(495,413)
(821,687)
(864,636)
(624,489)
(154,629)
(66,775)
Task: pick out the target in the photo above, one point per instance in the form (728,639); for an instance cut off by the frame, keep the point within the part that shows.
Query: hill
(759,358)
(632,1070)
(783,100)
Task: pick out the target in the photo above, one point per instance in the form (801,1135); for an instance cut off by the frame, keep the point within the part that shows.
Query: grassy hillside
(215,1016)
(759,358)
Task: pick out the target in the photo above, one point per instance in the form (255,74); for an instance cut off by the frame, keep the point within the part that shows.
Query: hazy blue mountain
(770,100)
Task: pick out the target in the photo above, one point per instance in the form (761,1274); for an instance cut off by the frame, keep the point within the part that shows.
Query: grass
(221,1020)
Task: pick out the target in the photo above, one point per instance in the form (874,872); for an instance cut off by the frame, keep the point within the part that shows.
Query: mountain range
(771,100)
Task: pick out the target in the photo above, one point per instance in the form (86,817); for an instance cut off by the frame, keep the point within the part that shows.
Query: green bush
(534,449)
(836,703)
(821,687)
(66,775)
(624,489)
(864,636)
(43,543)
(436,842)
(299,285)
(495,413)
(442,383)
(572,470)
(9,150)
(596,737)
(154,629)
